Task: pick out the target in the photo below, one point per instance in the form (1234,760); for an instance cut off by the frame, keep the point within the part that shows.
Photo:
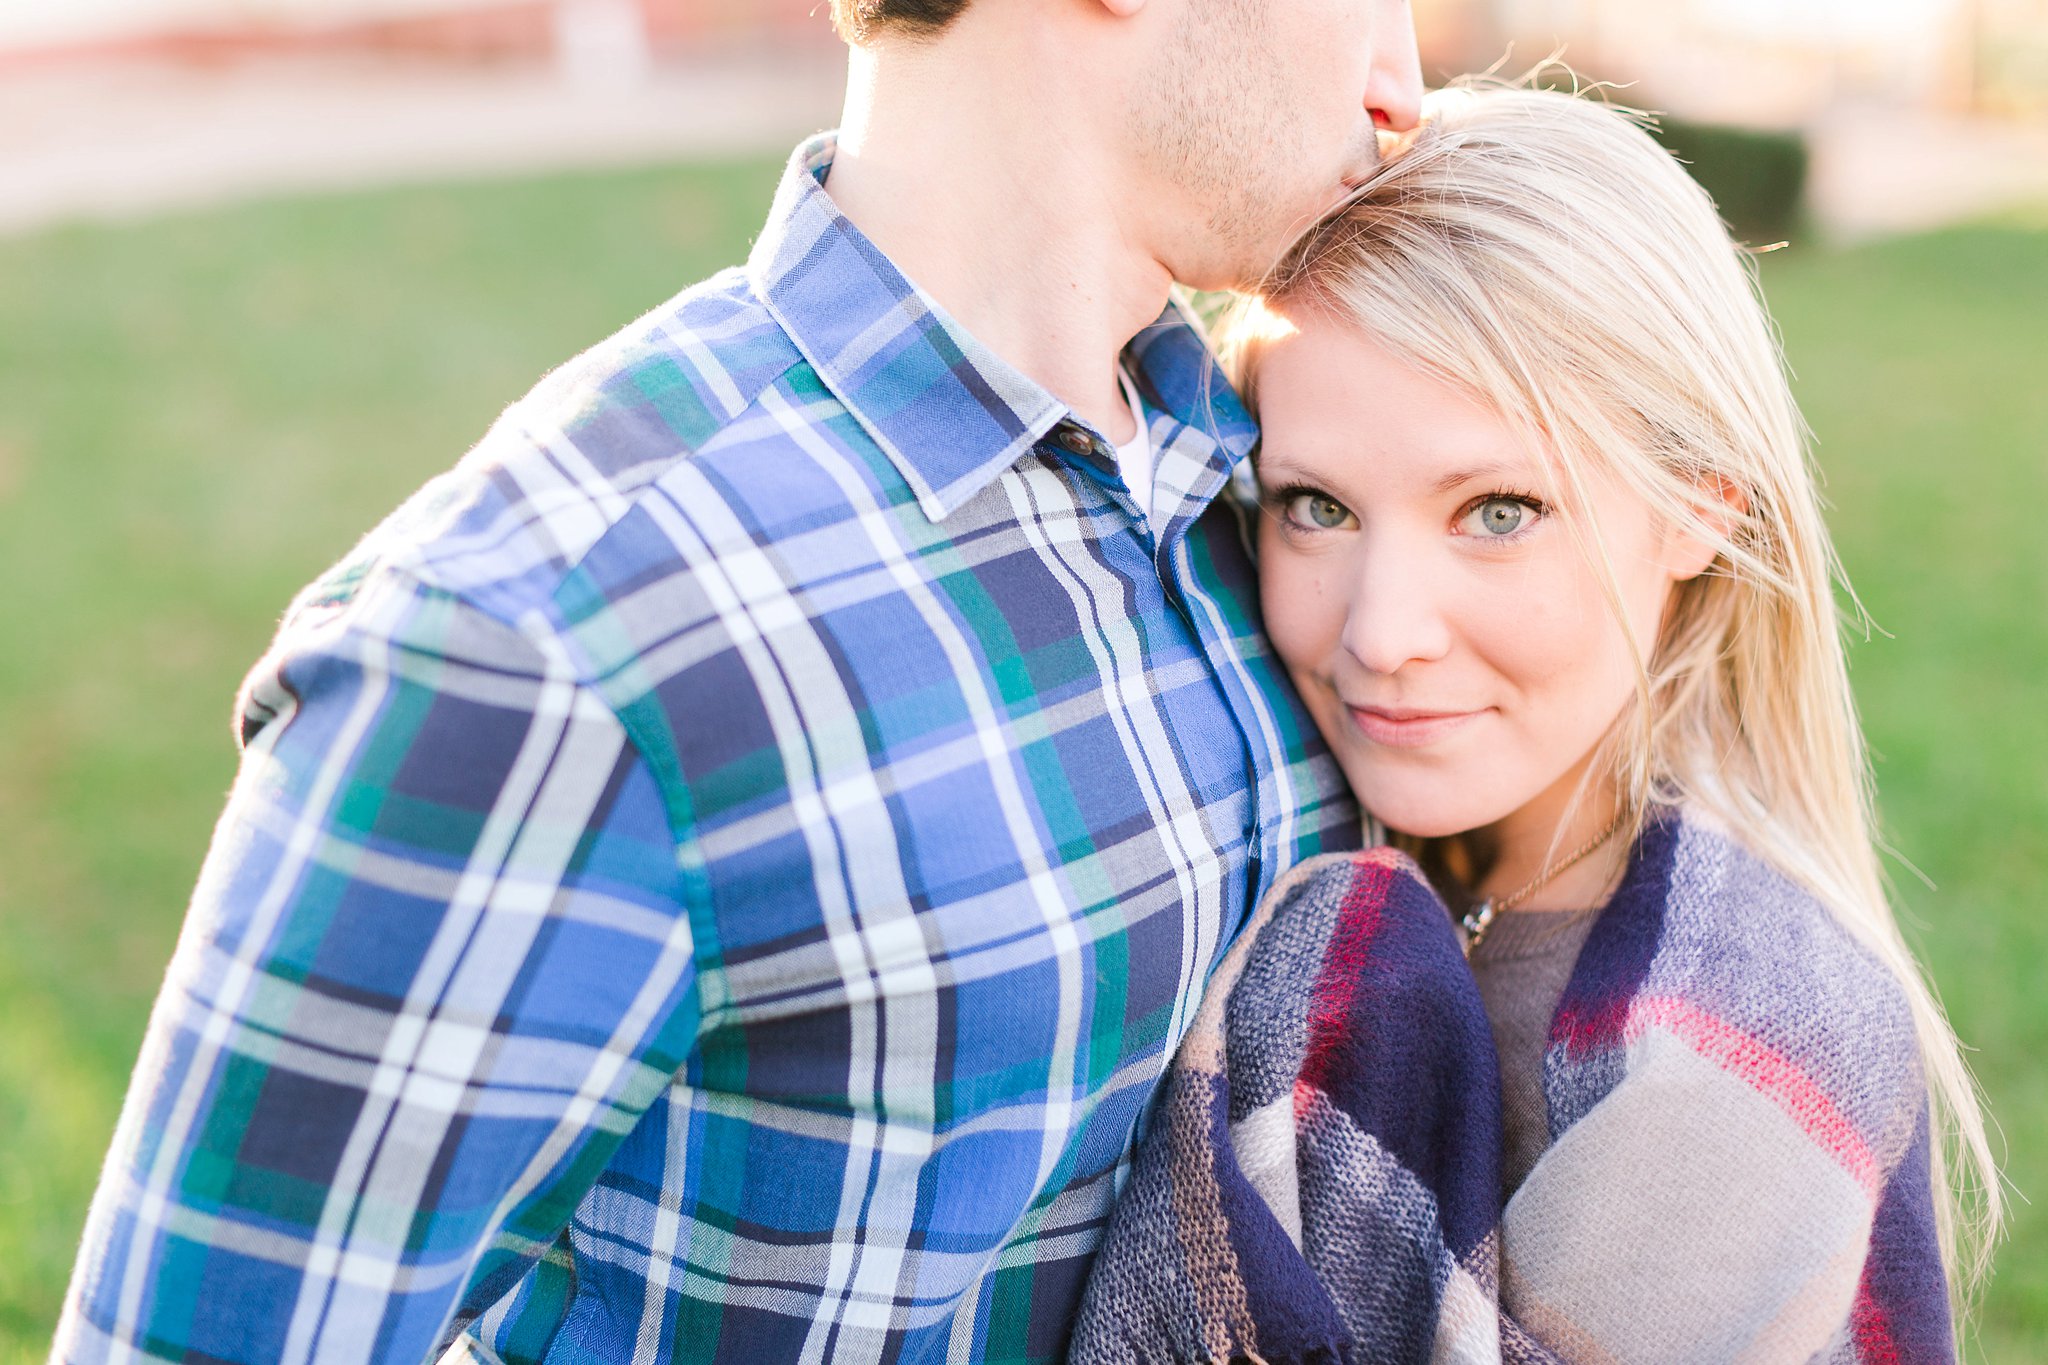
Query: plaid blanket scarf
(1738,1167)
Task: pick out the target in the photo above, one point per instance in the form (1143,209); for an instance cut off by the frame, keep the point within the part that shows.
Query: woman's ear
(1689,550)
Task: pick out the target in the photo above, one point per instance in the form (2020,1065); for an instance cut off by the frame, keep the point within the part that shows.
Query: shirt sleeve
(437,966)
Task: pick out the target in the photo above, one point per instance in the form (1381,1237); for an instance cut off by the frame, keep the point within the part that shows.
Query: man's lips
(1405,727)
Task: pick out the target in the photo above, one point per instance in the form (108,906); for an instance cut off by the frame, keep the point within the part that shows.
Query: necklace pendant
(1476,921)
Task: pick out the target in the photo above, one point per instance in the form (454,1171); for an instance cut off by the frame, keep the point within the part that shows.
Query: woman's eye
(1318,511)
(1499,517)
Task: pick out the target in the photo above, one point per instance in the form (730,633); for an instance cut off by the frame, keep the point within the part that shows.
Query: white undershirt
(1134,457)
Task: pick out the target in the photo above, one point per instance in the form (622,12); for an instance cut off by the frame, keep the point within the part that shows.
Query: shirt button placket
(1173,562)
(1099,455)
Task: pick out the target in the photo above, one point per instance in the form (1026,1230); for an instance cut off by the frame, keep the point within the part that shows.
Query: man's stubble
(1221,122)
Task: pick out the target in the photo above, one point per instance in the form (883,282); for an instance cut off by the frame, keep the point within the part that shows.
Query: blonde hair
(1541,253)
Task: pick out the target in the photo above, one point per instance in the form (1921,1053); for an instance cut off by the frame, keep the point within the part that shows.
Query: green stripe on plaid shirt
(718,874)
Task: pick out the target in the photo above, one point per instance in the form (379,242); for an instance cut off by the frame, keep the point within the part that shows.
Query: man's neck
(1004,212)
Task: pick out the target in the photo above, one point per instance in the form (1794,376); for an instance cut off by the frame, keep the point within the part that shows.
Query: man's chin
(1222,274)
(1243,262)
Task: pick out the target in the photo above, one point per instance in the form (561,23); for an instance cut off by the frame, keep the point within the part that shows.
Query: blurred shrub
(1757,177)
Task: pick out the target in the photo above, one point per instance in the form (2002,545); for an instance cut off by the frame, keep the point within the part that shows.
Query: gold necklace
(1480,917)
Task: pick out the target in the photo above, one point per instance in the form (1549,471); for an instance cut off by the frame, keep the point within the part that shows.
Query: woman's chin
(1424,830)
(1421,818)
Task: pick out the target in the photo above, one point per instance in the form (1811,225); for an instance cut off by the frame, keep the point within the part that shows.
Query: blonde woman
(1544,555)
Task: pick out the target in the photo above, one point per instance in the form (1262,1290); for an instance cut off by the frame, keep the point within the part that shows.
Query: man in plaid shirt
(717,875)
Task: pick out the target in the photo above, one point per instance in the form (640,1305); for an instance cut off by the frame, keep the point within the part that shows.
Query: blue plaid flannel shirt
(717,875)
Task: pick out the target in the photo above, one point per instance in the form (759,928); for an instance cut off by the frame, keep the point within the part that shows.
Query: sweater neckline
(1520,935)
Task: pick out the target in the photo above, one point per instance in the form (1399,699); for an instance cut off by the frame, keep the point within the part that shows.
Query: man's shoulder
(563,465)
(659,389)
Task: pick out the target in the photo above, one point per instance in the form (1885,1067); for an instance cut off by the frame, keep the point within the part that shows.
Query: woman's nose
(1395,617)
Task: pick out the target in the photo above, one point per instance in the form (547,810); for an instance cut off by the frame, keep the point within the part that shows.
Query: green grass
(198,414)
(1920,365)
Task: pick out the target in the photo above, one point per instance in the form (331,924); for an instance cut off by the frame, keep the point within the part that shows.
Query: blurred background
(267,265)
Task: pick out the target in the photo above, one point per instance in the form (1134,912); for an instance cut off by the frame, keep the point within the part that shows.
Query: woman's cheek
(1295,600)
(1539,627)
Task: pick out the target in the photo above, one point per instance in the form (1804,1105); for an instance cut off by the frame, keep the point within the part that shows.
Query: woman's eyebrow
(1278,470)
(1271,470)
(1457,478)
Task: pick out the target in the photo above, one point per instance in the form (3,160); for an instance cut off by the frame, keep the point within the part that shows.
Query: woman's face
(1438,616)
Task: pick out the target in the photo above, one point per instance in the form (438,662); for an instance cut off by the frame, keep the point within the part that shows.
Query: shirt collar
(947,411)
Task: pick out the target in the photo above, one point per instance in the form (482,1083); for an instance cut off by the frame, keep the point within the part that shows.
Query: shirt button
(1077,440)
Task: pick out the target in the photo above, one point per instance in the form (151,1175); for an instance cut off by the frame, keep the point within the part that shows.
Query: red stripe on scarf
(1872,1328)
(1769,1072)
(1342,974)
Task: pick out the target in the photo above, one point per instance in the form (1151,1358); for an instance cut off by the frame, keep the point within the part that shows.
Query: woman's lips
(1407,728)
